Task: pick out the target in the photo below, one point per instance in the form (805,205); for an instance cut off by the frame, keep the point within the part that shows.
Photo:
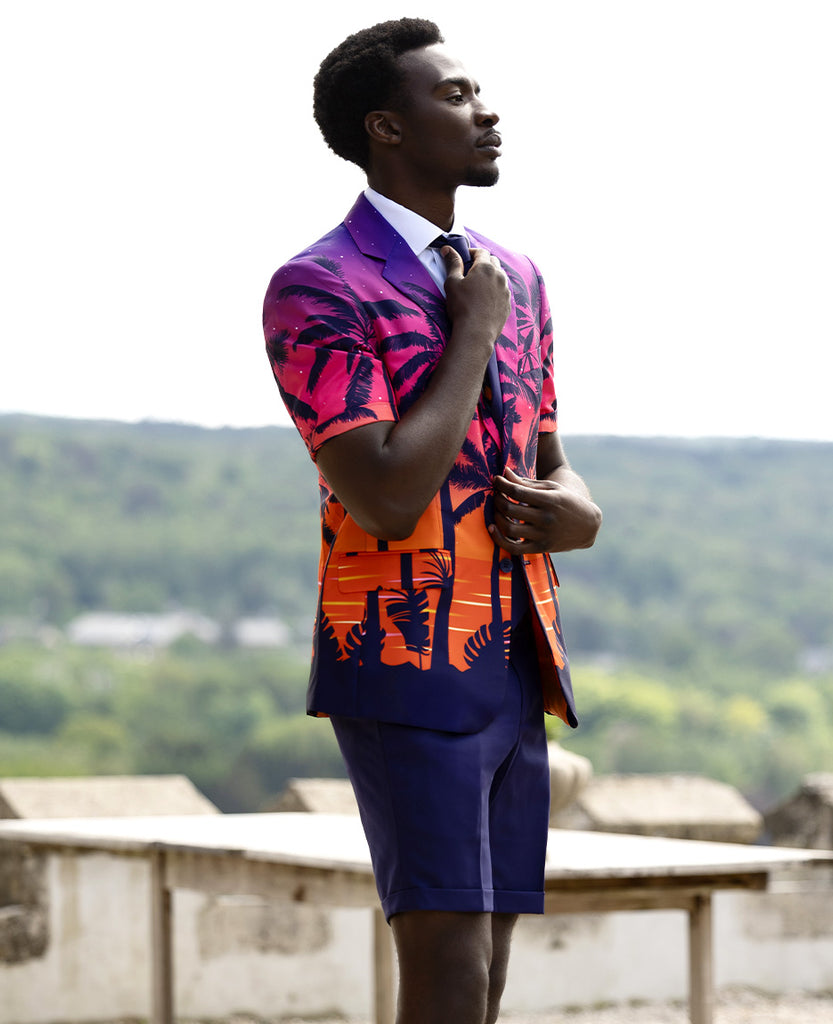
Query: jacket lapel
(376,239)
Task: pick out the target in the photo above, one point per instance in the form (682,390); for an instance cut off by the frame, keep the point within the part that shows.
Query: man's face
(447,131)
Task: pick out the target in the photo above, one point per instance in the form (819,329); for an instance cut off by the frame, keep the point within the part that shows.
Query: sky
(667,164)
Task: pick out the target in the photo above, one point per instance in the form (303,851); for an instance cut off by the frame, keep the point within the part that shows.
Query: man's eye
(456,98)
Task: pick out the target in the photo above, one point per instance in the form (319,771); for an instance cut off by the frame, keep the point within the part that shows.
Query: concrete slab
(677,806)
(806,818)
(317,796)
(104,796)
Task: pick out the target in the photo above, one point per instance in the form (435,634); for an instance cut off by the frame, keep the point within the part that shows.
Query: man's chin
(482,177)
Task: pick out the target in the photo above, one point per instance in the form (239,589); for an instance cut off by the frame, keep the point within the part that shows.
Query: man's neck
(436,207)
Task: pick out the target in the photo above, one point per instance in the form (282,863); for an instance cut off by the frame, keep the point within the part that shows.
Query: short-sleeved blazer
(414,631)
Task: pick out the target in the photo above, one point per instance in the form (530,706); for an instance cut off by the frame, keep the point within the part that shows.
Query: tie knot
(458,243)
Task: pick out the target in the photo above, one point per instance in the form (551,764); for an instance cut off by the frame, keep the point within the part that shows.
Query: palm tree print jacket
(414,631)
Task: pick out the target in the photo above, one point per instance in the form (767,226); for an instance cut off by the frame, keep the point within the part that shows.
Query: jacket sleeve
(322,351)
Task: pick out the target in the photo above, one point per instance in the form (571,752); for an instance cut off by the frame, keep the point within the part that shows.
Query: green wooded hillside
(701,623)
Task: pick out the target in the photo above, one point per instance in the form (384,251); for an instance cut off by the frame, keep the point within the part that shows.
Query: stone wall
(238,955)
(74,929)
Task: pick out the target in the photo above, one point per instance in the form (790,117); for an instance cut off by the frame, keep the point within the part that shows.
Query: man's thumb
(453,261)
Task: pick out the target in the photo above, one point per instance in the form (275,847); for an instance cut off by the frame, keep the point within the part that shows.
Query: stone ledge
(676,806)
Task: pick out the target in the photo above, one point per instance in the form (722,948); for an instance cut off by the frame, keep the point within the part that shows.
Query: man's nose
(488,118)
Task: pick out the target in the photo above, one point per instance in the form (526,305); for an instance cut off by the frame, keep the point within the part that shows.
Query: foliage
(761,739)
(688,621)
(139,518)
(233,721)
(714,556)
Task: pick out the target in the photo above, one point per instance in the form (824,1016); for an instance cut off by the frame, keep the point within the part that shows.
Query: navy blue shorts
(457,821)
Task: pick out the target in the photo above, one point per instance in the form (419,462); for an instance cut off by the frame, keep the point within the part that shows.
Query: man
(422,387)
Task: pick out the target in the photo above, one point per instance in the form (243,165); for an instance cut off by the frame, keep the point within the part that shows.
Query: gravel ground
(734,1006)
(738,1007)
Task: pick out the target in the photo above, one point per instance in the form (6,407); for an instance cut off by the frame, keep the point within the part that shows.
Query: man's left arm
(552,513)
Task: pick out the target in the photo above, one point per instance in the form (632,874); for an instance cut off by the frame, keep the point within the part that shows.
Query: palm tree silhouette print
(409,614)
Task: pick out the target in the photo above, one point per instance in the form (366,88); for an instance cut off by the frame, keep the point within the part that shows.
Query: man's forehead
(430,66)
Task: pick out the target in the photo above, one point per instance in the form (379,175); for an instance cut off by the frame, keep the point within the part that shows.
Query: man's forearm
(386,474)
(568,478)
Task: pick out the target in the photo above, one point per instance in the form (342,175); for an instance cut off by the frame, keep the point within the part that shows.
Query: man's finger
(453,261)
(517,545)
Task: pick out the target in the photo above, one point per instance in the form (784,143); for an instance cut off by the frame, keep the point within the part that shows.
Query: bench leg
(700,961)
(162,1002)
(383,994)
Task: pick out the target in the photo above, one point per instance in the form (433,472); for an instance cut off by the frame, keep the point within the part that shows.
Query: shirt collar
(418,232)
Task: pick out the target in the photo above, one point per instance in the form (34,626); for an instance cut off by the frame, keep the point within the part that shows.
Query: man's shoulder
(344,250)
(329,245)
(517,260)
(325,263)
(524,276)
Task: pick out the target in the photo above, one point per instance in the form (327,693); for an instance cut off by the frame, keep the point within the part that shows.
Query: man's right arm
(386,474)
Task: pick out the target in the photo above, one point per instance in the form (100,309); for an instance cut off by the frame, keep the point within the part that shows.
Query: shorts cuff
(464,900)
(519,902)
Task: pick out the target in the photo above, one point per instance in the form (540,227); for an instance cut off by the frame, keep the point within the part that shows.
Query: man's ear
(383,127)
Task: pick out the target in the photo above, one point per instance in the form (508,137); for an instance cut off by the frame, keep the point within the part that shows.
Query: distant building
(114,629)
(260,632)
(154,632)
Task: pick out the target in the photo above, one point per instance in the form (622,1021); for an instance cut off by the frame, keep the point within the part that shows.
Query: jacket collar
(377,239)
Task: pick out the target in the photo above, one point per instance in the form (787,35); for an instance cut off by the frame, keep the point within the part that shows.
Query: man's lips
(491,141)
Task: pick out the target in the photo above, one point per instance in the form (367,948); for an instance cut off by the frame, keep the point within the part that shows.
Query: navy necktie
(491,381)
(459,244)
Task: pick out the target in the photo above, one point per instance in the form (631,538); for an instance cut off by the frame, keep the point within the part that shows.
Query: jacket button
(505,565)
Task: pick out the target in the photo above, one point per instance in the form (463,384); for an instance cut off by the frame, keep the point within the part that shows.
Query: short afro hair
(361,75)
